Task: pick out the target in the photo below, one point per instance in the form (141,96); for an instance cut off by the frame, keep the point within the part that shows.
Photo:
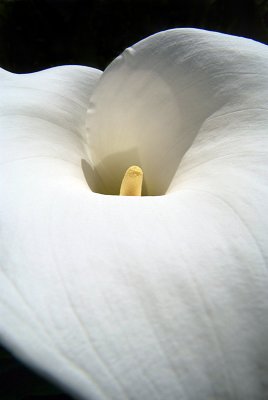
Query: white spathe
(148,298)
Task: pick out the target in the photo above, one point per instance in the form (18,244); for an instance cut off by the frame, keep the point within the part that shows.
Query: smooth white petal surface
(159,297)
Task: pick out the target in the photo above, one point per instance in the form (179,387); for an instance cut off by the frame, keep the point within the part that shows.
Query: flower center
(132,182)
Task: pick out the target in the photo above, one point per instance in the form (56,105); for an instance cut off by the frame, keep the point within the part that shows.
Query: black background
(38,34)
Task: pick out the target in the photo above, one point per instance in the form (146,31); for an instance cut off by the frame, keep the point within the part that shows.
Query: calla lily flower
(158,296)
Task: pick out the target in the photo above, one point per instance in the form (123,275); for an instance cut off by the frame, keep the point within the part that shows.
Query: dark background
(38,34)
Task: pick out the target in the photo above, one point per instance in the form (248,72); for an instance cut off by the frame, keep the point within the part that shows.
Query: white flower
(153,297)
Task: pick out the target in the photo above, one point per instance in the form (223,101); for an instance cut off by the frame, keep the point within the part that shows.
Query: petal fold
(156,99)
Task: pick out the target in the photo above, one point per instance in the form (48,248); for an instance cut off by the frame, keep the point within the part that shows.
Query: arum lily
(160,295)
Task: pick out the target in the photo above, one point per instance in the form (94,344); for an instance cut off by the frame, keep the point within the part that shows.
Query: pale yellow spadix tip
(132,182)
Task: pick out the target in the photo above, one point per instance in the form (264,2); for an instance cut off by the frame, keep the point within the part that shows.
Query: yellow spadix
(132,182)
